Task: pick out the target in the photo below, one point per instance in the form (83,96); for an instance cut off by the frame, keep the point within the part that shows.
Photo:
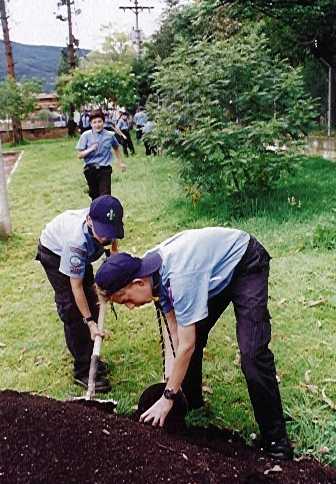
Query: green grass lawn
(294,223)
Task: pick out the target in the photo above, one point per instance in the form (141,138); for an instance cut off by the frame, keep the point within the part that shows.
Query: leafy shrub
(324,236)
(18,99)
(113,82)
(231,112)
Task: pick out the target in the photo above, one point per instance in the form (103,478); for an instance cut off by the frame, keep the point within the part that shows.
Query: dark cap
(106,213)
(120,269)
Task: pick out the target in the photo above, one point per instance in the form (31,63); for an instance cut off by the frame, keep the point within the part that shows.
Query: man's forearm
(169,357)
(84,153)
(81,300)
(119,132)
(118,156)
(120,162)
(180,367)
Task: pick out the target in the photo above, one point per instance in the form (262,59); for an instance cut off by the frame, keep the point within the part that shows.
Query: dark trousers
(138,132)
(77,334)
(98,180)
(248,292)
(150,149)
(127,143)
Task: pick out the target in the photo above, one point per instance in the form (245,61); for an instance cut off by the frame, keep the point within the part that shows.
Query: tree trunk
(72,126)
(17,131)
(5,224)
(16,123)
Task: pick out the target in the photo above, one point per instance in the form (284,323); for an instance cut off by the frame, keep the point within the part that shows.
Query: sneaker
(278,449)
(102,384)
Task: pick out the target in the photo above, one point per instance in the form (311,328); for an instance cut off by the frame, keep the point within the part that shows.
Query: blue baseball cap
(121,268)
(106,213)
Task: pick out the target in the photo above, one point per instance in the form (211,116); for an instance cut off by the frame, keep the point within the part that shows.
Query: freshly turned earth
(47,441)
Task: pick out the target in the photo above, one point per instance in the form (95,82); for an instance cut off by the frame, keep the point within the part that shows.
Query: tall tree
(100,85)
(303,26)
(5,223)
(63,66)
(18,98)
(227,109)
(16,124)
(71,51)
(116,47)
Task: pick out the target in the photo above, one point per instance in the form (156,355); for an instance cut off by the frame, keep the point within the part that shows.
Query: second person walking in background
(124,125)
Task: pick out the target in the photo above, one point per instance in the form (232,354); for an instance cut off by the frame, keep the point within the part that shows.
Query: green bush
(96,85)
(231,112)
(324,236)
(18,99)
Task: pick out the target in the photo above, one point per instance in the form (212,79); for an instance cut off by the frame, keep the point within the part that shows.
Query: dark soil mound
(46,441)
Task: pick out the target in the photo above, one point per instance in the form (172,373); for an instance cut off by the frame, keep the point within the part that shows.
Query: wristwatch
(88,320)
(169,394)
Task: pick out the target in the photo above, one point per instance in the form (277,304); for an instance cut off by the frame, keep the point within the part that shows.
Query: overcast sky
(34,22)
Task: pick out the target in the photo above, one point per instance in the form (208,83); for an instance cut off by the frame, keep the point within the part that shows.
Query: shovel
(88,400)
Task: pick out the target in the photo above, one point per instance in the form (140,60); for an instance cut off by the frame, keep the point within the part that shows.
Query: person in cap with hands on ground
(67,247)
(94,147)
(196,274)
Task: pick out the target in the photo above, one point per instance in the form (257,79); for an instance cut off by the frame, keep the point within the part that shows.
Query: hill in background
(35,62)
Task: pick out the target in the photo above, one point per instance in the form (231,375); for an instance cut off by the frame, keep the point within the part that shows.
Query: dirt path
(10,159)
(46,441)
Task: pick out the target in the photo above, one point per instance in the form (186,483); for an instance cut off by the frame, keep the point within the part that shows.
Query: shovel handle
(96,351)
(101,319)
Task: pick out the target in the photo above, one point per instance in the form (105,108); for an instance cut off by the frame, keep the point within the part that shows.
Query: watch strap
(88,320)
(169,394)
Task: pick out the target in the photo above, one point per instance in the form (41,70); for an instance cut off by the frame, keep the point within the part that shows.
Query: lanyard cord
(160,313)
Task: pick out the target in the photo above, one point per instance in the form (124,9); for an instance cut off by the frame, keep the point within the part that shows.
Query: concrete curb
(15,167)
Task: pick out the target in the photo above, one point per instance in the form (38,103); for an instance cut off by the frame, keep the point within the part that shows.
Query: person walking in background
(150,148)
(95,148)
(124,125)
(110,124)
(140,119)
(84,121)
(108,120)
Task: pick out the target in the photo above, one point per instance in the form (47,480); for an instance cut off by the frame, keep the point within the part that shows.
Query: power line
(137,9)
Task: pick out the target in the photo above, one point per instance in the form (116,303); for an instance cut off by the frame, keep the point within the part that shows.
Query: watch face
(169,394)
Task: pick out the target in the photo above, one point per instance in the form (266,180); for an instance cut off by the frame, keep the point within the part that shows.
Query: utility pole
(71,46)
(5,224)
(16,123)
(137,9)
(72,61)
